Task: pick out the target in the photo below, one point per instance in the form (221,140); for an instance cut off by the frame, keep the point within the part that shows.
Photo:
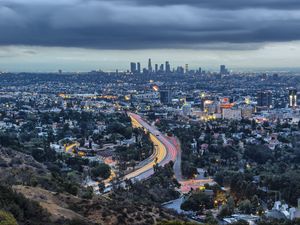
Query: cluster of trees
(277,169)
(7,218)
(227,209)
(245,194)
(100,170)
(270,222)
(217,155)
(22,209)
(288,184)
(16,209)
(243,187)
(43,153)
(9,139)
(142,149)
(244,206)
(66,171)
(175,223)
(186,136)
(197,202)
(258,153)
(279,222)
(161,187)
(120,128)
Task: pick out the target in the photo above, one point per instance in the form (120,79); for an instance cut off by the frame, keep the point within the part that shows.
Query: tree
(240,222)
(258,153)
(245,206)
(132,164)
(197,202)
(255,203)
(77,222)
(101,186)
(210,219)
(188,170)
(7,218)
(253,124)
(88,193)
(21,208)
(231,204)
(225,211)
(101,170)
(175,223)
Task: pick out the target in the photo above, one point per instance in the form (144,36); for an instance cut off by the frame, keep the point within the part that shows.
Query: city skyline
(78,61)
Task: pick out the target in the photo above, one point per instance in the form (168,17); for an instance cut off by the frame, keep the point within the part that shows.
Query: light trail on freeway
(164,151)
(70,147)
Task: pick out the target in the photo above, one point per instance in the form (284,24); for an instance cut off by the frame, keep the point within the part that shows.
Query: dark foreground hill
(30,193)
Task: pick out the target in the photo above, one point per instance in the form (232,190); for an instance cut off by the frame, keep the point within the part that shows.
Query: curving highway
(71,147)
(164,151)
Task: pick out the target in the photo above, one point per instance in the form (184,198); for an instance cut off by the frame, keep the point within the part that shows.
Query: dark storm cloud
(143,24)
(230,4)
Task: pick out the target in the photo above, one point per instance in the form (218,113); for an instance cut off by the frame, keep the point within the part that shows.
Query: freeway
(164,151)
(71,147)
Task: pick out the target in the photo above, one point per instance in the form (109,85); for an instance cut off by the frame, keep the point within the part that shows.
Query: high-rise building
(149,66)
(293,98)
(161,68)
(156,68)
(165,96)
(223,70)
(275,76)
(264,99)
(139,67)
(133,67)
(200,70)
(168,67)
(264,76)
(180,70)
(186,68)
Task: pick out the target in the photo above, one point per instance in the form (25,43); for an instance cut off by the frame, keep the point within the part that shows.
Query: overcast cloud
(148,24)
(78,35)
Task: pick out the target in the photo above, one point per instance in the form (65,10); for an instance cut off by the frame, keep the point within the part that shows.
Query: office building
(133,67)
(165,96)
(161,68)
(232,114)
(156,68)
(149,66)
(168,67)
(139,67)
(292,98)
(200,70)
(264,99)
(180,70)
(186,68)
(223,70)
(186,109)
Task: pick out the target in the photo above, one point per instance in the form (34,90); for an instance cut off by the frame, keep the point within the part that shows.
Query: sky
(83,35)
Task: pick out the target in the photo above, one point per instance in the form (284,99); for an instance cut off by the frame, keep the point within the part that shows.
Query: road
(71,146)
(186,184)
(177,164)
(164,151)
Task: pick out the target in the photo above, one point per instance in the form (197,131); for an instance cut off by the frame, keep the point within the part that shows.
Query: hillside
(25,177)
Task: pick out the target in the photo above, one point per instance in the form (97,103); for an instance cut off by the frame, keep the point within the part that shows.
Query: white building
(232,114)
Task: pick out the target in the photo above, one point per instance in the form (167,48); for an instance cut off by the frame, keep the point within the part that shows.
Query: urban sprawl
(164,142)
